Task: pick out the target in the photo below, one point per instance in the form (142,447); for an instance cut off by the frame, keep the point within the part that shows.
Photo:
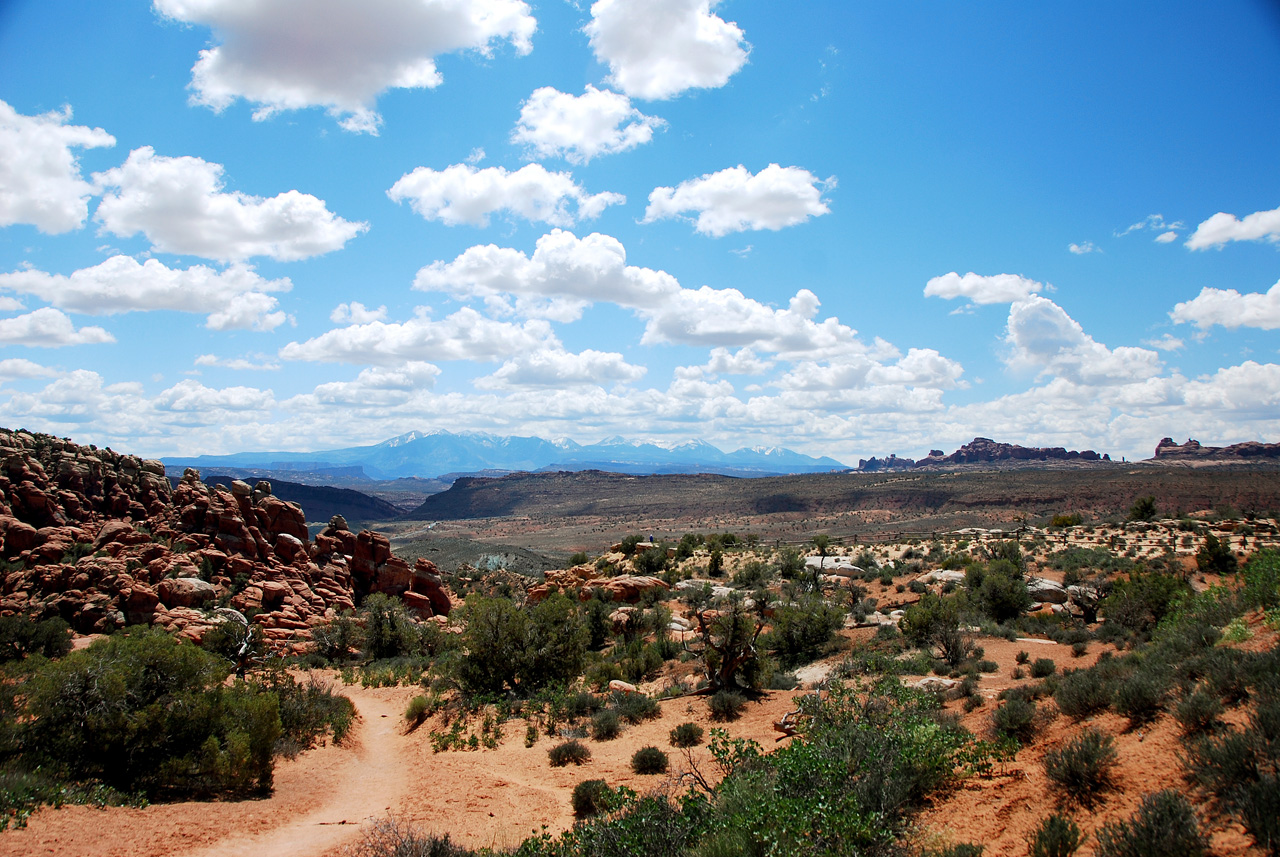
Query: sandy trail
(315,794)
(371,784)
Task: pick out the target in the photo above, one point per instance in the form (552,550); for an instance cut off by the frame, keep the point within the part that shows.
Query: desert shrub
(801,630)
(391,838)
(1214,557)
(592,797)
(1002,593)
(1262,579)
(335,640)
(606,725)
(1043,667)
(686,735)
(21,636)
(1081,693)
(1143,509)
(1015,718)
(1022,657)
(726,704)
(419,710)
(1198,712)
(635,707)
(1164,825)
(960,849)
(143,712)
(309,711)
(649,760)
(1141,696)
(1083,767)
(934,622)
(987,666)
(1141,602)
(1057,836)
(572,751)
(521,649)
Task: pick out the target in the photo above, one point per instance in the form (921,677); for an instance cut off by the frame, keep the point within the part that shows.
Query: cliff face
(102,540)
(984,449)
(1168,450)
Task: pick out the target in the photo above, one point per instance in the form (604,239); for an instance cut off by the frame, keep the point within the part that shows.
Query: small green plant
(605,725)
(592,797)
(1043,667)
(1057,836)
(1082,768)
(726,704)
(987,666)
(1141,696)
(1022,657)
(530,735)
(1164,825)
(1016,719)
(1083,692)
(1198,712)
(1080,649)
(571,751)
(420,708)
(686,735)
(649,760)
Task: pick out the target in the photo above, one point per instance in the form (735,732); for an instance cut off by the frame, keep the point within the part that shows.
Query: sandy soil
(484,797)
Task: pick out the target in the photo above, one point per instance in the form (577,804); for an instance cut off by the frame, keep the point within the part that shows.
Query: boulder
(629,587)
(185,592)
(1044,590)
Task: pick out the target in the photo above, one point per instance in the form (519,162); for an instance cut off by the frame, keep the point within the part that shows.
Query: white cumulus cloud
(657,49)
(1230,309)
(1223,228)
(555,368)
(734,200)
(1087,247)
(191,395)
(40,180)
(16,367)
(179,204)
(338,54)
(357,313)
(463,194)
(49,328)
(464,335)
(581,127)
(1042,336)
(237,363)
(234,298)
(980,289)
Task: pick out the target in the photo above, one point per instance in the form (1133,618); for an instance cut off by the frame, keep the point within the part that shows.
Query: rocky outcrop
(982,450)
(1192,450)
(890,462)
(102,540)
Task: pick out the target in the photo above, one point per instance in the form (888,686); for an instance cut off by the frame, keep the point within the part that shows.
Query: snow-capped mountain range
(439,453)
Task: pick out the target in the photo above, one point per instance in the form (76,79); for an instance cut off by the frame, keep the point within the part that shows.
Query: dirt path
(320,800)
(370,786)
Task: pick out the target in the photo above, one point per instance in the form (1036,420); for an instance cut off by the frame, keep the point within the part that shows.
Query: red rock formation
(102,540)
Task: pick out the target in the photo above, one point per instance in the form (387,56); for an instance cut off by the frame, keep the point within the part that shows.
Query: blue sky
(846,228)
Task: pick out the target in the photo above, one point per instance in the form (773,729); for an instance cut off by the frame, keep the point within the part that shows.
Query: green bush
(686,735)
(1015,718)
(1022,658)
(1043,667)
(143,712)
(419,710)
(521,649)
(1083,767)
(1164,825)
(987,666)
(309,710)
(1141,602)
(1141,696)
(1057,836)
(592,797)
(726,704)
(801,630)
(1198,712)
(1262,579)
(605,725)
(21,636)
(1214,557)
(1081,693)
(1143,509)
(635,707)
(390,838)
(649,760)
(571,751)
